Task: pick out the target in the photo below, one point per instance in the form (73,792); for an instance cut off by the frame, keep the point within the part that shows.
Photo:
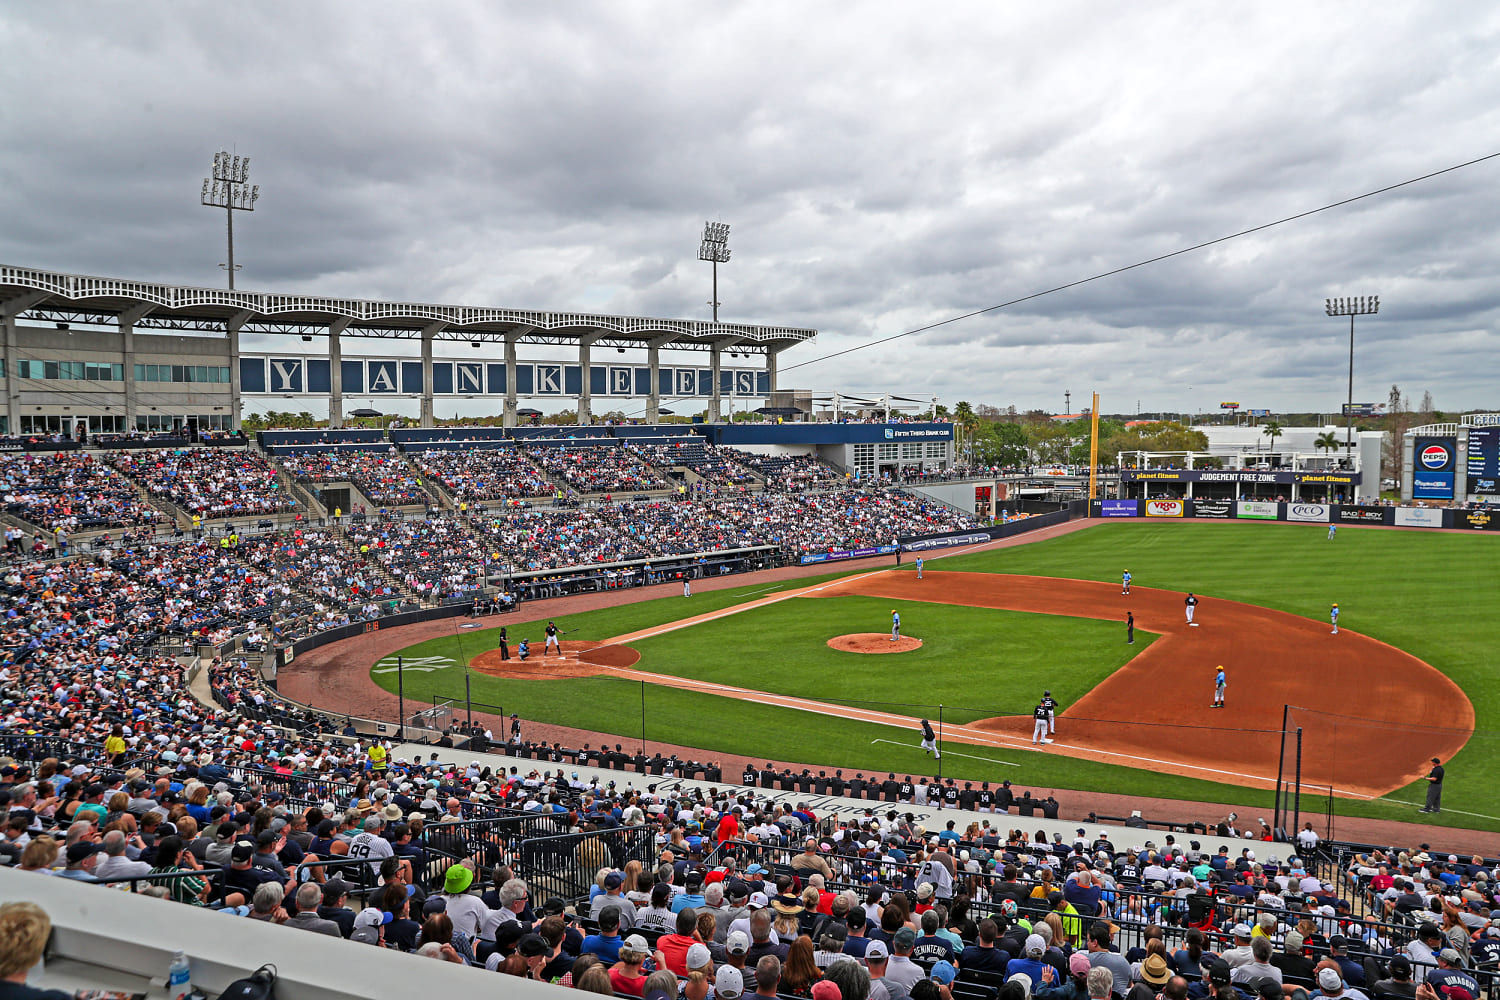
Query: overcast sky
(883,165)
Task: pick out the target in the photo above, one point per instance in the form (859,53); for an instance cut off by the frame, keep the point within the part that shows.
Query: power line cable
(1130,267)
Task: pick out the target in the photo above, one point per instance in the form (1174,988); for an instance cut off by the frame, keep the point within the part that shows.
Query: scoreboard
(1483,465)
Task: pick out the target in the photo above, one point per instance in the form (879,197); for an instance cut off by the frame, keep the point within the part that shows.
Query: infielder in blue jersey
(1125,582)
(1220,683)
(1333,616)
(895,624)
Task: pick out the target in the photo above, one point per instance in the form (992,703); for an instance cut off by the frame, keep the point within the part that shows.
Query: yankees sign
(312,376)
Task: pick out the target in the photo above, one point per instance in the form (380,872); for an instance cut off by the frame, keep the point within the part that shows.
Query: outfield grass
(1425,592)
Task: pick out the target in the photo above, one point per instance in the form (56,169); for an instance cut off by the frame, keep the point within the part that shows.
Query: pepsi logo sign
(1434,456)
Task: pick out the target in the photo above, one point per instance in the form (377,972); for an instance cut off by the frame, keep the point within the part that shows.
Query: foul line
(951,753)
(1461,812)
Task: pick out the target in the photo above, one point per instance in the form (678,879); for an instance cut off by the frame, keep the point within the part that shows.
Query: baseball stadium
(816,658)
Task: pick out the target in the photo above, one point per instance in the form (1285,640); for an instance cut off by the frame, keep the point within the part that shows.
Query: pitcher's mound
(873,642)
(577,659)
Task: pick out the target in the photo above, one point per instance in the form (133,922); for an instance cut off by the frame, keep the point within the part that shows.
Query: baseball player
(687,586)
(1125,583)
(551,641)
(1333,616)
(929,740)
(1051,704)
(1039,725)
(1130,627)
(1220,682)
(919,567)
(1191,603)
(1333,529)
(523,650)
(895,624)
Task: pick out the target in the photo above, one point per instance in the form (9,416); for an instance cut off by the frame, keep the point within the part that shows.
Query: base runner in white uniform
(1039,725)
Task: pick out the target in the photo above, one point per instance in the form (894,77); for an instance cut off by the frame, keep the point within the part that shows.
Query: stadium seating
(208,482)
(75,491)
(378,472)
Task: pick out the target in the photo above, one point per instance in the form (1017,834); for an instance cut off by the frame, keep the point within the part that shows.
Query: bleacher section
(377,470)
(596,467)
(208,482)
(72,491)
(789,473)
(481,475)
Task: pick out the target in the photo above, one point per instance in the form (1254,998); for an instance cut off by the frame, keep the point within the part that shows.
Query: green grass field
(1427,593)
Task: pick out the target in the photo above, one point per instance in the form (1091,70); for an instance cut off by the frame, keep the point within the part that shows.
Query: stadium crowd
(598,468)
(710,464)
(790,473)
(208,482)
(73,491)
(433,559)
(486,474)
(381,476)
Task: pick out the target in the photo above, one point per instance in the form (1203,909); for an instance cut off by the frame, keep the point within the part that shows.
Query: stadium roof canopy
(52,296)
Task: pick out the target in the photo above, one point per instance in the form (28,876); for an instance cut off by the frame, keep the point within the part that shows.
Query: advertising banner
(1260,510)
(1165,508)
(1213,508)
(1361,515)
(1431,485)
(946,541)
(1307,512)
(1477,520)
(879,550)
(1118,508)
(1418,517)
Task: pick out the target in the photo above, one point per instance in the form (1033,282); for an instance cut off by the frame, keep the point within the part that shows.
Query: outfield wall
(1308,513)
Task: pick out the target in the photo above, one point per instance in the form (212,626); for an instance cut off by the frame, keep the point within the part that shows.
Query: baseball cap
(638,943)
(729,982)
(875,951)
(698,956)
(434,904)
(1268,988)
(1078,964)
(1293,942)
(1451,956)
(737,943)
(1241,930)
(243,851)
(1218,972)
(944,972)
(83,849)
(904,939)
(532,945)
(613,880)
(1329,979)
(365,935)
(1035,946)
(1023,979)
(372,916)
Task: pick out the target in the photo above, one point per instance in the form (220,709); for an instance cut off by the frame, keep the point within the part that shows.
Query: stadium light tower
(715,248)
(230,189)
(1358,306)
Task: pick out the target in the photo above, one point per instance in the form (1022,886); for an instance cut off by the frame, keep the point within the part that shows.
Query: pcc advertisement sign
(1361,515)
(1165,508)
(1419,517)
(1221,509)
(1307,512)
(1118,508)
(1258,510)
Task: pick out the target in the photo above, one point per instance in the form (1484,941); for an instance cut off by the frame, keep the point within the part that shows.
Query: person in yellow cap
(1333,616)
(895,624)
(1125,583)
(1220,682)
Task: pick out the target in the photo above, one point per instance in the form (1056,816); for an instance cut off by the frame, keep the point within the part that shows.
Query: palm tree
(1272,430)
(1328,440)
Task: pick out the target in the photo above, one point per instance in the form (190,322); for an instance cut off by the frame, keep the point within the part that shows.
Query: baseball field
(749,671)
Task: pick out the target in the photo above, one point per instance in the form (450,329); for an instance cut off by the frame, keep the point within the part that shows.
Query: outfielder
(895,624)
(1051,705)
(1332,530)
(929,740)
(1125,583)
(1220,683)
(1191,603)
(1333,616)
(1039,725)
(919,567)
(552,641)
